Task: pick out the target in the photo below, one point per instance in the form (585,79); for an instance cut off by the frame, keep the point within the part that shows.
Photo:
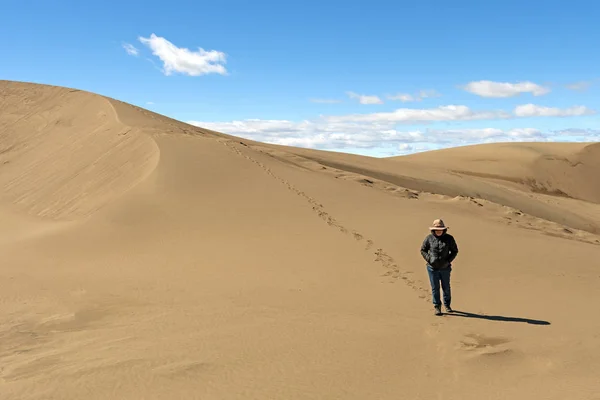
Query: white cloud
(457,113)
(403,97)
(410,115)
(380,131)
(131,49)
(365,99)
(325,101)
(504,89)
(407,97)
(150,103)
(532,110)
(488,134)
(593,134)
(424,94)
(579,86)
(185,61)
(381,138)
(311,134)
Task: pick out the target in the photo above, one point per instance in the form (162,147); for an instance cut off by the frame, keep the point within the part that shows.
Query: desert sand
(144,258)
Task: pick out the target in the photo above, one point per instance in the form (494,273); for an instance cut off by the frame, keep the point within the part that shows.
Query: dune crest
(64,153)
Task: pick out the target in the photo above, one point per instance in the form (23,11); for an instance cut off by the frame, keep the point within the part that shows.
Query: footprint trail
(393,270)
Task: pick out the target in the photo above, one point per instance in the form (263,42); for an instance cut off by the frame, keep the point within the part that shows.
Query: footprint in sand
(381,256)
(486,345)
(477,341)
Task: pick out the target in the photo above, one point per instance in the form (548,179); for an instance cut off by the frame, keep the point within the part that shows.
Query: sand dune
(146,258)
(560,169)
(65,153)
(554,182)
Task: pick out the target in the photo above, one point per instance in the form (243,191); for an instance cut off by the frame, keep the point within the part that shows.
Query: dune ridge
(525,185)
(178,262)
(64,153)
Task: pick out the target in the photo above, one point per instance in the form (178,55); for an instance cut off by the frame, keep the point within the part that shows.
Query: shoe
(448,309)
(438,310)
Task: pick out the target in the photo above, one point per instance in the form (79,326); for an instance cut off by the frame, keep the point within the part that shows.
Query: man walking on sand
(439,249)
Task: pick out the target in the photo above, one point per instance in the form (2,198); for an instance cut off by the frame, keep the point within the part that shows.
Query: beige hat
(438,225)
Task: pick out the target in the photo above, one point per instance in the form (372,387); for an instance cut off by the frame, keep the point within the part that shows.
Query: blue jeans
(435,277)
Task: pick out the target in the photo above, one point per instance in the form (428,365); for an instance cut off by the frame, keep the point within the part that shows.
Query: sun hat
(438,225)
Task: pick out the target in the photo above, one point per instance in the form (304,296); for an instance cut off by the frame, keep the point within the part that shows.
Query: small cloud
(579,86)
(588,133)
(365,99)
(185,61)
(504,89)
(130,49)
(429,93)
(325,101)
(150,103)
(403,97)
(532,110)
(422,94)
(412,115)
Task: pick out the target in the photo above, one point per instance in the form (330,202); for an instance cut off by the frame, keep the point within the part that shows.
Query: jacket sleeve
(453,250)
(425,249)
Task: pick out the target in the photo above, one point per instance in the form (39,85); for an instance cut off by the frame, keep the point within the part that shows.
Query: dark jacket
(439,251)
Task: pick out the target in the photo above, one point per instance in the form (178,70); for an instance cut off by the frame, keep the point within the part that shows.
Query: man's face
(438,233)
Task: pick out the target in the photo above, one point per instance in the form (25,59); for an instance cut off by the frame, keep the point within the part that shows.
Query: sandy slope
(64,153)
(556,182)
(228,270)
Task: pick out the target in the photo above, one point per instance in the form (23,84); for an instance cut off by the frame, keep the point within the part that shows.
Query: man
(439,249)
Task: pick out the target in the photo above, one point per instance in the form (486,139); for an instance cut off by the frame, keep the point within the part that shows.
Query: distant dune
(560,169)
(147,258)
(552,181)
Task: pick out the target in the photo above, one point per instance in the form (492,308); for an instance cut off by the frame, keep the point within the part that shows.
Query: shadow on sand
(464,314)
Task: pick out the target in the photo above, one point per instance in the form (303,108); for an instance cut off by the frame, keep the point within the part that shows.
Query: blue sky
(370,77)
